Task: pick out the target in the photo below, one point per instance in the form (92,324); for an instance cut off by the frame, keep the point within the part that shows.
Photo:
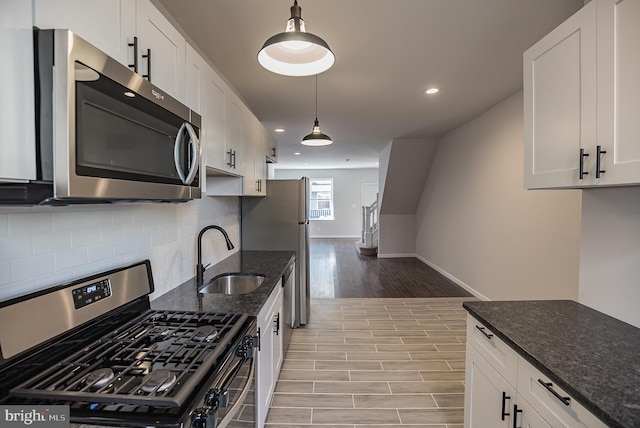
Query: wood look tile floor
(375,362)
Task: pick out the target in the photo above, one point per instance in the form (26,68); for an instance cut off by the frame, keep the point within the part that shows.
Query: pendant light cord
(316,97)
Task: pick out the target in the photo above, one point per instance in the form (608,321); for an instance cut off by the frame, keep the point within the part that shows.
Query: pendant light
(316,138)
(296,52)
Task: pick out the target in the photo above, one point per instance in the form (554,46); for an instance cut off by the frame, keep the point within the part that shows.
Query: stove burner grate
(154,360)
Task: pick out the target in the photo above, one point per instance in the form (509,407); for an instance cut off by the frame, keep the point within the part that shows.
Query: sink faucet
(199,268)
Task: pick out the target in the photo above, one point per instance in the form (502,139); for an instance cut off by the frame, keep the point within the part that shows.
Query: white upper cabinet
(115,26)
(161,50)
(105,24)
(197,71)
(582,97)
(216,115)
(560,101)
(17,133)
(618,91)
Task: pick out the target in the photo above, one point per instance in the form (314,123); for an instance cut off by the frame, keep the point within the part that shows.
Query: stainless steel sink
(233,283)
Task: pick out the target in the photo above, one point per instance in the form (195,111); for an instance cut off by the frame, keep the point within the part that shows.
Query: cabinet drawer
(494,350)
(561,411)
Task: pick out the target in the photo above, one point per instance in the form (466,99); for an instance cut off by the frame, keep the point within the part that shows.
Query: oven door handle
(217,395)
(194,143)
(235,407)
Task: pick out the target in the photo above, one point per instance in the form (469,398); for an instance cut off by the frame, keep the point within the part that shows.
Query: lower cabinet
(495,398)
(270,353)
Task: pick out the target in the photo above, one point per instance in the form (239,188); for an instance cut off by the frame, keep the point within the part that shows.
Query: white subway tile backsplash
(51,242)
(41,247)
(85,237)
(99,253)
(30,223)
(69,220)
(101,219)
(4,225)
(16,248)
(69,259)
(32,267)
(5,272)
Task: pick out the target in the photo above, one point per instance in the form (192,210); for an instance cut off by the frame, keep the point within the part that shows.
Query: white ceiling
(387,53)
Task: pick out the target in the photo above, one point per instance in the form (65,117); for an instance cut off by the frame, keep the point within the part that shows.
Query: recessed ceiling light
(279,130)
(432,91)
(297,153)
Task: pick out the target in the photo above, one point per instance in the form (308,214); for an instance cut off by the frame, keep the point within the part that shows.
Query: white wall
(478,225)
(397,235)
(347,187)
(610,252)
(41,247)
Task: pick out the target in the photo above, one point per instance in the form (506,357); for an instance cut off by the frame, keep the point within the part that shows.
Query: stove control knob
(216,398)
(201,418)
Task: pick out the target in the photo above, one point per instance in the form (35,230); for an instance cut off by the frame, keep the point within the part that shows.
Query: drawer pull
(505,397)
(487,335)
(549,387)
(515,415)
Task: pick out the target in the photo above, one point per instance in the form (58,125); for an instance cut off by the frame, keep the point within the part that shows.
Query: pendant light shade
(296,52)
(316,137)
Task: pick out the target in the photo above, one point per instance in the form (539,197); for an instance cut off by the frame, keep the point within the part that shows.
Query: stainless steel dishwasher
(288,283)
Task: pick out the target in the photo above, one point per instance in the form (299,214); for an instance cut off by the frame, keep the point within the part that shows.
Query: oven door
(230,402)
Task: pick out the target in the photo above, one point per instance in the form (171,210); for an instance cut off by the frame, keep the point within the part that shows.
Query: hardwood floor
(338,270)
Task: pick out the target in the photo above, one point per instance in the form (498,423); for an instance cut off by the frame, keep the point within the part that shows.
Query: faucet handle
(206,266)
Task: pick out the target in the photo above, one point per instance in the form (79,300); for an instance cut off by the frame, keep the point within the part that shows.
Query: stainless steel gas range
(95,346)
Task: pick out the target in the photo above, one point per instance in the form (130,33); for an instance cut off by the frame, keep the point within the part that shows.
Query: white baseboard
(358,237)
(395,256)
(454,279)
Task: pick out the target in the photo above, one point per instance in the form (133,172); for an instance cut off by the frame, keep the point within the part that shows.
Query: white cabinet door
(236,134)
(197,72)
(619,91)
(161,50)
(270,355)
(17,133)
(488,398)
(251,185)
(106,24)
(526,417)
(560,103)
(216,123)
(271,148)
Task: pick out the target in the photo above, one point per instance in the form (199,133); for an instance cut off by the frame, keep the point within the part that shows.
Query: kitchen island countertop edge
(592,356)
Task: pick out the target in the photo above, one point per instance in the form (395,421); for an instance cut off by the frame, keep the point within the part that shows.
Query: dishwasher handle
(287,274)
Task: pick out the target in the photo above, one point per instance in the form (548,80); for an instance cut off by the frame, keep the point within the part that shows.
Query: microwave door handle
(194,143)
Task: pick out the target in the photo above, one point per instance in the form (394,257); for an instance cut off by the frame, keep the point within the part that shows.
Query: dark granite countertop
(272,264)
(592,356)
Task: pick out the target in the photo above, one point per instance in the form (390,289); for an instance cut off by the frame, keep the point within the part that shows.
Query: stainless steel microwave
(104,133)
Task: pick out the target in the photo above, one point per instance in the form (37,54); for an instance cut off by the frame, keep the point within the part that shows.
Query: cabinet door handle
(549,387)
(134,45)
(515,415)
(232,159)
(148,57)
(259,338)
(505,397)
(582,172)
(482,330)
(599,153)
(277,324)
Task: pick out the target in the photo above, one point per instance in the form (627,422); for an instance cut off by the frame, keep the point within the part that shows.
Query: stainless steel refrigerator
(280,221)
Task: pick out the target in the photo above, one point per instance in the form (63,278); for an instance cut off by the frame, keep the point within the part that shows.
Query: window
(321,199)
